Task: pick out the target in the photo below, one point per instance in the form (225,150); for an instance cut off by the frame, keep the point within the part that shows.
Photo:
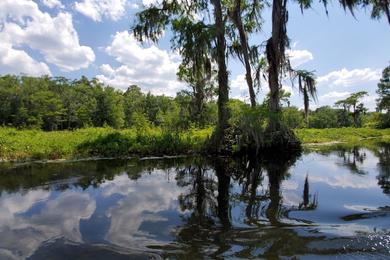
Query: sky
(71,38)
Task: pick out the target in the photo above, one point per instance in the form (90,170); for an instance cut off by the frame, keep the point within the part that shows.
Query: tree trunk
(223,88)
(198,101)
(354,116)
(273,81)
(223,193)
(306,105)
(245,51)
(275,56)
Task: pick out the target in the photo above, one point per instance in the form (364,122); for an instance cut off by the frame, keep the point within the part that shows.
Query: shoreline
(33,146)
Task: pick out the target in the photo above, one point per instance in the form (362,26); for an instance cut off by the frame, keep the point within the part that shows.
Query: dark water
(318,205)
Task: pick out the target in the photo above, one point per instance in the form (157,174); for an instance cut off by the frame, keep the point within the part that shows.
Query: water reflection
(383,154)
(197,207)
(353,159)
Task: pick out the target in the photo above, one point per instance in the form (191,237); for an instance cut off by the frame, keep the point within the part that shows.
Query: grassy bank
(99,142)
(345,135)
(107,142)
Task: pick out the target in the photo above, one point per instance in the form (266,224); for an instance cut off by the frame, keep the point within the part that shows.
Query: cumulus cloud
(97,9)
(347,78)
(141,202)
(334,96)
(15,61)
(299,57)
(53,3)
(24,25)
(370,101)
(331,97)
(151,68)
(60,217)
(239,88)
(239,83)
(353,81)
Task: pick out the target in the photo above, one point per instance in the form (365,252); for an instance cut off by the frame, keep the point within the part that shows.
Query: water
(334,203)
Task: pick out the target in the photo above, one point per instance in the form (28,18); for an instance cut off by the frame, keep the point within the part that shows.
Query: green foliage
(59,104)
(307,87)
(284,98)
(324,117)
(100,142)
(383,102)
(109,108)
(384,91)
(348,135)
(133,103)
(292,117)
(372,120)
(25,145)
(248,126)
(357,109)
(139,121)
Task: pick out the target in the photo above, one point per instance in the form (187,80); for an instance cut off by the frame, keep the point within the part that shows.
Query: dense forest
(58,104)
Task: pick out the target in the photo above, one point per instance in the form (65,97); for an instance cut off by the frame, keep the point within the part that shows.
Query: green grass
(347,135)
(24,145)
(100,142)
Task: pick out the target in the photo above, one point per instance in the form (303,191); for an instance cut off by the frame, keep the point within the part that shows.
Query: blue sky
(91,37)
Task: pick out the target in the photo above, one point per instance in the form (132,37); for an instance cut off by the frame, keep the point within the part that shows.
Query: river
(329,203)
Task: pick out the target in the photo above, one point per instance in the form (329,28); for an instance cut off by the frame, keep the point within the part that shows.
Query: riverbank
(27,145)
(341,135)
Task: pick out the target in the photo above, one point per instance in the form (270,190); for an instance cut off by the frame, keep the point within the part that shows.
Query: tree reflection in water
(215,207)
(353,159)
(215,226)
(383,153)
(308,203)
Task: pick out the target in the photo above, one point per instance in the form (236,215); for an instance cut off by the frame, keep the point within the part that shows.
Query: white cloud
(347,78)
(299,57)
(151,192)
(53,3)
(239,83)
(151,2)
(60,217)
(23,24)
(370,101)
(333,96)
(134,5)
(97,9)
(13,61)
(239,88)
(151,68)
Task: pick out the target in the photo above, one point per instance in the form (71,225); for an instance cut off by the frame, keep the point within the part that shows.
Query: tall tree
(383,102)
(357,107)
(246,19)
(353,102)
(278,42)
(152,22)
(198,68)
(134,102)
(223,80)
(276,57)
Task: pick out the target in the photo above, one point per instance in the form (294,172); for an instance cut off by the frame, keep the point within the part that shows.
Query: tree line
(58,104)
(61,104)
